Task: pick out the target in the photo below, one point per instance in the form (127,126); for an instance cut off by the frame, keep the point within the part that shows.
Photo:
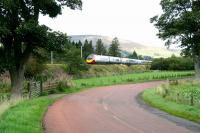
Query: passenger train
(102,59)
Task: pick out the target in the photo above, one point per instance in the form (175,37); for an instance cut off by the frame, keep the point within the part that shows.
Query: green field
(180,99)
(27,116)
(130,78)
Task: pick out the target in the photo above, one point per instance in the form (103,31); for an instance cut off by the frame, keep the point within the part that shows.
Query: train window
(90,57)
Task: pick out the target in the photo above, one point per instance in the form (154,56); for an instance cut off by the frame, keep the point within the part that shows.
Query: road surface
(113,109)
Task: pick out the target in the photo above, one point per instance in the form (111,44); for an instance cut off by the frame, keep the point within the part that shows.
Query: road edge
(177,120)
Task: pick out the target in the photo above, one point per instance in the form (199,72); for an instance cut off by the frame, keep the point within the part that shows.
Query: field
(27,115)
(180,98)
(130,78)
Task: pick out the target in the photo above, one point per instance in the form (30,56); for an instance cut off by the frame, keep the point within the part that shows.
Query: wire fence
(183,93)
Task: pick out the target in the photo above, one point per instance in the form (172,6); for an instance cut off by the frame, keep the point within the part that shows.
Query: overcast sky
(126,19)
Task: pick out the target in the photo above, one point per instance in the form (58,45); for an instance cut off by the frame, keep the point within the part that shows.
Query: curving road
(113,109)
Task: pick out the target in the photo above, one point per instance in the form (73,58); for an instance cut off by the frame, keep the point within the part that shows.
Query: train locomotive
(102,59)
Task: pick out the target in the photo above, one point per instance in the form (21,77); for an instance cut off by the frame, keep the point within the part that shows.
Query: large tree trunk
(197,67)
(17,79)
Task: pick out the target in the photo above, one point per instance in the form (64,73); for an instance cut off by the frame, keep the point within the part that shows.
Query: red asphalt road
(112,109)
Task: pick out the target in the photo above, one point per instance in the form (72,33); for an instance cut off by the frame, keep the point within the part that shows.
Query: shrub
(34,67)
(172,63)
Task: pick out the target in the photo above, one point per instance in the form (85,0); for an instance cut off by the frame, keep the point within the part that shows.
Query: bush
(33,68)
(173,63)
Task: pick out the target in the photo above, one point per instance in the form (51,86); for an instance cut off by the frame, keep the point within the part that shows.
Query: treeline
(98,48)
(173,63)
(71,56)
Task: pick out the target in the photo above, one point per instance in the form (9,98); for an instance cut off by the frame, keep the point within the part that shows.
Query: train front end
(91,59)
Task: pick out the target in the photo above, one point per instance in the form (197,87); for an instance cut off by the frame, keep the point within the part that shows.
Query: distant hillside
(129,46)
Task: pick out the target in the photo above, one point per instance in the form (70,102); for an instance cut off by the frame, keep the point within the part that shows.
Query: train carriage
(102,59)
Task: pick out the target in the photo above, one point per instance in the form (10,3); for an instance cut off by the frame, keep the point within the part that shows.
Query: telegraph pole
(51,57)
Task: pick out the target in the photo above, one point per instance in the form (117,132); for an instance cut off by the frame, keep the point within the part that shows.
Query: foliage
(114,48)
(79,44)
(87,49)
(21,34)
(74,62)
(134,55)
(100,48)
(173,63)
(34,68)
(180,24)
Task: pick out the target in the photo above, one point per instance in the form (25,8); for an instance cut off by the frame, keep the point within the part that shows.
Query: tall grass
(183,92)
(151,97)
(180,98)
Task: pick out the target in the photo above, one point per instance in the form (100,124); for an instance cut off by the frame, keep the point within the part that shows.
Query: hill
(129,46)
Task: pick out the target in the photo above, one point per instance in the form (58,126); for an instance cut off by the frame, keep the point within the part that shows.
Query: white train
(101,59)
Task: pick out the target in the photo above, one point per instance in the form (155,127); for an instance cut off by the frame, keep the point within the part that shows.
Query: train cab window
(90,57)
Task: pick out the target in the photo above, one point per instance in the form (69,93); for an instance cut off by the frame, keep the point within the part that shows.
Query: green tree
(180,24)
(87,49)
(79,44)
(133,55)
(172,63)
(21,34)
(74,62)
(114,48)
(100,48)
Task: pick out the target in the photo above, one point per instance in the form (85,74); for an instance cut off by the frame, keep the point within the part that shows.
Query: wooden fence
(33,89)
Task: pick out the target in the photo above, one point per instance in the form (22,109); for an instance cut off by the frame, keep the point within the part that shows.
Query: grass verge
(185,111)
(26,117)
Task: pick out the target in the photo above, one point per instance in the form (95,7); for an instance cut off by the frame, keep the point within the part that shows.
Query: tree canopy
(100,48)
(21,34)
(180,24)
(114,48)
(87,48)
(134,55)
(172,63)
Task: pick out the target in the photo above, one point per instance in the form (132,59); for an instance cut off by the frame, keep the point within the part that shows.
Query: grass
(111,69)
(178,109)
(186,92)
(26,117)
(129,78)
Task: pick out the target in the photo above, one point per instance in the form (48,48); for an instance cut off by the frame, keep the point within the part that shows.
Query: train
(102,59)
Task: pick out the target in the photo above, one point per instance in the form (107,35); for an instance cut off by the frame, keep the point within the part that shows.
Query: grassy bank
(27,116)
(181,100)
(109,70)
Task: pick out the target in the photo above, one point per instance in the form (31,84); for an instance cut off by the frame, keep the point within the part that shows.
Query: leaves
(180,23)
(100,48)
(20,32)
(114,48)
